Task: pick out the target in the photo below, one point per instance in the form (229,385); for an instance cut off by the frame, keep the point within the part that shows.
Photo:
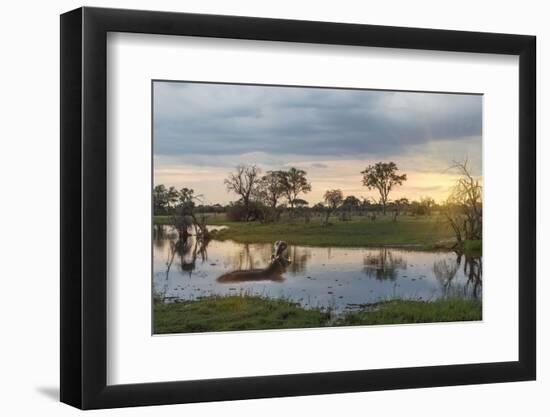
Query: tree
(160,199)
(244,182)
(318,209)
(185,214)
(299,203)
(294,183)
(172,197)
(397,205)
(401,203)
(186,200)
(270,188)
(428,204)
(350,204)
(164,199)
(333,200)
(463,208)
(383,177)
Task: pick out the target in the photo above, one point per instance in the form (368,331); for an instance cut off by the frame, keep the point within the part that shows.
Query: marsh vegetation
(345,260)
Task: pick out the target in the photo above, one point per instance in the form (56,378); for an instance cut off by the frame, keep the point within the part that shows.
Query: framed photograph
(258,207)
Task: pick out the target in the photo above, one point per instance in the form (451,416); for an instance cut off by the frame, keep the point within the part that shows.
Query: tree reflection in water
(160,233)
(253,256)
(187,250)
(445,271)
(473,271)
(383,265)
(299,258)
(184,269)
(249,257)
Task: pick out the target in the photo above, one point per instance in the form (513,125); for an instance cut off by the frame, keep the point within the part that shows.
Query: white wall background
(29,175)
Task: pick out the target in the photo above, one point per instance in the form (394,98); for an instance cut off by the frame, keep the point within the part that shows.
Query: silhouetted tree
(270,188)
(164,199)
(294,182)
(333,200)
(160,199)
(350,204)
(244,182)
(383,177)
(463,208)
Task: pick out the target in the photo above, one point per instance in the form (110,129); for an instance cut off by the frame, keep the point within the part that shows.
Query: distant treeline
(267,197)
(276,195)
(351,204)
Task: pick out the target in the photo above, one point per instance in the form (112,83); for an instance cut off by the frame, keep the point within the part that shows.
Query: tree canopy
(333,200)
(294,182)
(383,177)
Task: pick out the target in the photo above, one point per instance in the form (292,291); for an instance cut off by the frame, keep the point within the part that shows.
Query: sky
(202,131)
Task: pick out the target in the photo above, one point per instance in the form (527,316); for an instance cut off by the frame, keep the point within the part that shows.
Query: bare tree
(383,177)
(185,215)
(463,209)
(333,200)
(244,182)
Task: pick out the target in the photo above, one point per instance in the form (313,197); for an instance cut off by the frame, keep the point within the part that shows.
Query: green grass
(238,312)
(213,219)
(420,232)
(411,311)
(244,312)
(162,219)
(473,247)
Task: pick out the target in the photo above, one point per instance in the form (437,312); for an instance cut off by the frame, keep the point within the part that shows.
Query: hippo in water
(273,272)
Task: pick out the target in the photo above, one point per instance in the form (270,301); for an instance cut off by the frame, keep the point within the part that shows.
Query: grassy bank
(162,219)
(423,232)
(428,232)
(234,313)
(473,247)
(409,311)
(242,312)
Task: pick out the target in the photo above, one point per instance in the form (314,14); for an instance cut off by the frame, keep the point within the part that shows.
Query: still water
(339,278)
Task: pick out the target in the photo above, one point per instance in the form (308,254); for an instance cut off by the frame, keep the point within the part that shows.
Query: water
(339,278)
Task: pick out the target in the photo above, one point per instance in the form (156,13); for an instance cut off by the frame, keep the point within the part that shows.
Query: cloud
(225,119)
(202,131)
(319,165)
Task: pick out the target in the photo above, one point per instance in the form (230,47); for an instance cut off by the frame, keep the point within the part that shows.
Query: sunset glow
(202,131)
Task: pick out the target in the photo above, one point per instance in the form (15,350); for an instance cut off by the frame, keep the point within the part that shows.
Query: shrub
(236,213)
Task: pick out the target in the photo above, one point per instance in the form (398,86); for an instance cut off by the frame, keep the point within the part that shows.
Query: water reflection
(335,277)
(272,272)
(473,269)
(383,265)
(299,257)
(188,250)
(444,271)
(249,257)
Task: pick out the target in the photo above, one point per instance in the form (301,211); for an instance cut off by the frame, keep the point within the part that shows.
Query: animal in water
(273,272)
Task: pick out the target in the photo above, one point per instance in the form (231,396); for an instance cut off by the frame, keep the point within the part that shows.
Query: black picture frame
(84,207)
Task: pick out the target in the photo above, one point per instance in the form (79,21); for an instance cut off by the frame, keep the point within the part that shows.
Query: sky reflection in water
(340,278)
